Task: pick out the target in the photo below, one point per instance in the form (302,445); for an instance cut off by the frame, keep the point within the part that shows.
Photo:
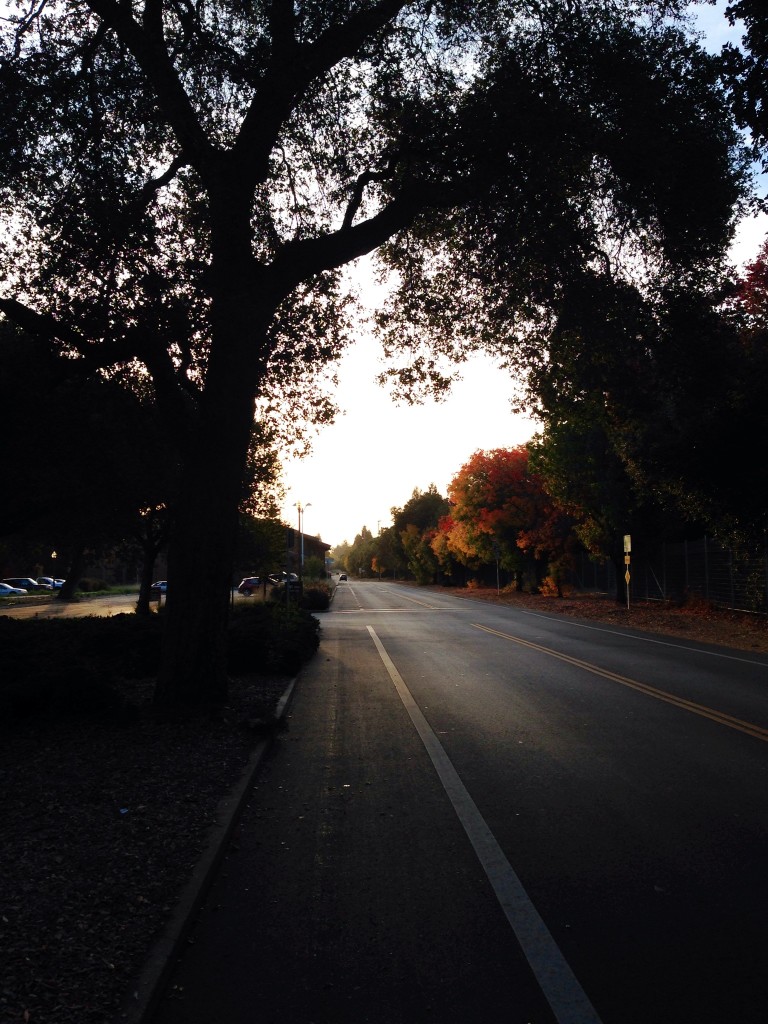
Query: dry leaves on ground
(103,822)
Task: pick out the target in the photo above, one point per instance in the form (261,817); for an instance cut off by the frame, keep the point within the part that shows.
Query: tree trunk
(204,530)
(150,550)
(74,572)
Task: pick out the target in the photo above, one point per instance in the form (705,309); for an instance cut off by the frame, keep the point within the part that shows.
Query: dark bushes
(271,639)
(316,597)
(56,667)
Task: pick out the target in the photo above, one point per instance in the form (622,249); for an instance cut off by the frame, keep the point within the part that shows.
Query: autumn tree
(494,497)
(359,555)
(422,510)
(388,556)
(449,565)
(415,525)
(339,553)
(178,200)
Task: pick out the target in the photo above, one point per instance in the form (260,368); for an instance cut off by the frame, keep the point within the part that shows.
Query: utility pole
(301,508)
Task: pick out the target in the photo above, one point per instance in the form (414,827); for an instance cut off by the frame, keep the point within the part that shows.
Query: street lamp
(302,509)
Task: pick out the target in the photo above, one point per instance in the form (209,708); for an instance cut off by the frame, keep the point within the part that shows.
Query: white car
(6,591)
(49,581)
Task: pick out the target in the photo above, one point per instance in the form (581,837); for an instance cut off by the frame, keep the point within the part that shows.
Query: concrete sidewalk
(350,893)
(141,1002)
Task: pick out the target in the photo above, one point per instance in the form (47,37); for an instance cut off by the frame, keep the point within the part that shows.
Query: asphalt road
(487,815)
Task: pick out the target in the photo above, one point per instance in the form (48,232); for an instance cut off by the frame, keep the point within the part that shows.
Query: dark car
(248,585)
(27,583)
(342,576)
(282,582)
(278,579)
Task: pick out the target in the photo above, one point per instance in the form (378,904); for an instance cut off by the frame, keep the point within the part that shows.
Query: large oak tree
(183,182)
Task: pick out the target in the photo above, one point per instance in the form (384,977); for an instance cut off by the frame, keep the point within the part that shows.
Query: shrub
(316,597)
(552,587)
(270,638)
(90,585)
(57,667)
(63,666)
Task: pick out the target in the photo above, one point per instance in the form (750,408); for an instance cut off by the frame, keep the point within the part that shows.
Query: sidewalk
(349,892)
(151,984)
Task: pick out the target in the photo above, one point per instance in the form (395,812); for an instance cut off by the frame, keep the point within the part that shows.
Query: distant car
(49,581)
(248,585)
(161,587)
(6,591)
(342,576)
(27,583)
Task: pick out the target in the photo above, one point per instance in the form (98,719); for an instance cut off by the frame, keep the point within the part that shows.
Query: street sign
(626,577)
(627,543)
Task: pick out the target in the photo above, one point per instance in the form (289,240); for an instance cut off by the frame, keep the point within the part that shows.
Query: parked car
(50,582)
(248,585)
(282,581)
(8,591)
(277,579)
(27,583)
(342,576)
(161,587)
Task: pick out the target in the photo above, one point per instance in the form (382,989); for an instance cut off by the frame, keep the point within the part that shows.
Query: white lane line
(560,987)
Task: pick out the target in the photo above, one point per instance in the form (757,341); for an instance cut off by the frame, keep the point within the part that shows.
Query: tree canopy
(182,184)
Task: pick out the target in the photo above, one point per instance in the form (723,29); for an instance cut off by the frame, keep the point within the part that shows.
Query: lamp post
(302,509)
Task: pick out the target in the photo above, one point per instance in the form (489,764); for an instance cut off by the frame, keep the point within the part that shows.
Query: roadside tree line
(656,446)
(497,525)
(184,184)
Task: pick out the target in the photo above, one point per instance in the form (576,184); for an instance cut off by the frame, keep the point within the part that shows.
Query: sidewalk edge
(146,992)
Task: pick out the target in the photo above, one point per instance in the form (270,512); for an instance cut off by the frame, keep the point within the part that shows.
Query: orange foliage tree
(495,501)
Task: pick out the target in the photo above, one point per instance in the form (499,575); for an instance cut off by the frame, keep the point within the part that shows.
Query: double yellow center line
(756,731)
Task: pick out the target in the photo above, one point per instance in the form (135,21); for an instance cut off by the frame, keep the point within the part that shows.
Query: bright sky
(377,452)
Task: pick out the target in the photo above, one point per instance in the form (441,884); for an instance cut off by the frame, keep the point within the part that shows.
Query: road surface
(491,815)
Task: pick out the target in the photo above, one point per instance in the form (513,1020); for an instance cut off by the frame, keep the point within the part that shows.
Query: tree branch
(282,24)
(152,187)
(41,325)
(147,45)
(286,79)
(299,260)
(358,190)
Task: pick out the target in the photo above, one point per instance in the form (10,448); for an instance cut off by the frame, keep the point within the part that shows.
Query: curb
(140,1004)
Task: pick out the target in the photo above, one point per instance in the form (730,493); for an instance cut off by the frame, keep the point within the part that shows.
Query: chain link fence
(676,572)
